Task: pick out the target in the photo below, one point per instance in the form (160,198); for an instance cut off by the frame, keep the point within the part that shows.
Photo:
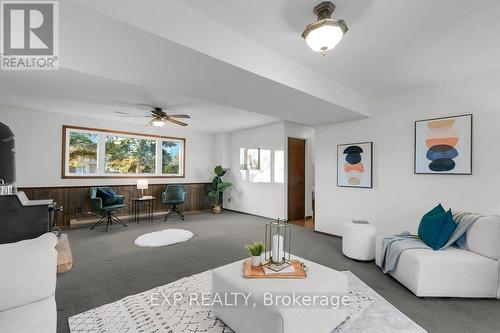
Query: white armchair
(27,285)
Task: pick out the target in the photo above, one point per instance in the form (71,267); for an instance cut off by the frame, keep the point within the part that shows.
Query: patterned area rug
(368,312)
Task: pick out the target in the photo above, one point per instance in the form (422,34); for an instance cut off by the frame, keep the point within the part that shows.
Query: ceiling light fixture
(158,122)
(326,33)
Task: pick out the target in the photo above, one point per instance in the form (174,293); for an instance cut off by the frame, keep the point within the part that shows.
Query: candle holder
(278,239)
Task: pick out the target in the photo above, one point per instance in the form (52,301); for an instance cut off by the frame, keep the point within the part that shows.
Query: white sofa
(474,272)
(27,285)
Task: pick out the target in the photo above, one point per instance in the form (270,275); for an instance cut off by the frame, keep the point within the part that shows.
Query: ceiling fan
(158,116)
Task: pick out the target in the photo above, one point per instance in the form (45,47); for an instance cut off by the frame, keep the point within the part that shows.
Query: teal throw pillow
(436,227)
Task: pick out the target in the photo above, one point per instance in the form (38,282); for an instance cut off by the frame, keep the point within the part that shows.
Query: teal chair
(107,208)
(174,195)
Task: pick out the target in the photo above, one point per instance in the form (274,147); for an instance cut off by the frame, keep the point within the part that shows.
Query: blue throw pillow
(107,196)
(436,227)
(436,210)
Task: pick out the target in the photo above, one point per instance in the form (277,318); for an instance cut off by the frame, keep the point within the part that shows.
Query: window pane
(128,155)
(82,153)
(263,175)
(253,159)
(243,159)
(279,166)
(171,152)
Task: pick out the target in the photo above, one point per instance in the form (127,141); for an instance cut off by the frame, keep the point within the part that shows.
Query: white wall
(399,197)
(307,133)
(38,148)
(263,199)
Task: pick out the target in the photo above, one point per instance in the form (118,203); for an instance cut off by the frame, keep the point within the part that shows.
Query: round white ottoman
(358,241)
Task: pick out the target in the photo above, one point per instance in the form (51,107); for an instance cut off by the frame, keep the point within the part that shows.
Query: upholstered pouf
(358,241)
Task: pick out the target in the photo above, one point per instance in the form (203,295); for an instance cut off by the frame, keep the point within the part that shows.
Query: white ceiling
(205,60)
(69,92)
(391,45)
(234,64)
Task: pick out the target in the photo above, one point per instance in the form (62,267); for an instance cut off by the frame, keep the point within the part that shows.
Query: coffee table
(279,318)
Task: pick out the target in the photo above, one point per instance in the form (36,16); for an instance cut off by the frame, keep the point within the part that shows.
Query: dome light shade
(158,122)
(326,33)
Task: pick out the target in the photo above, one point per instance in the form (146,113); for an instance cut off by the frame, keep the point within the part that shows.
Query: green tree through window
(98,153)
(127,155)
(170,157)
(82,153)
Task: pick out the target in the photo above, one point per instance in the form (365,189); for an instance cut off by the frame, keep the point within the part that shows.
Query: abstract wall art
(354,165)
(444,145)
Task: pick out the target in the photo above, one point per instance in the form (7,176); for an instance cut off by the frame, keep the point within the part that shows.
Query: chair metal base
(172,210)
(108,218)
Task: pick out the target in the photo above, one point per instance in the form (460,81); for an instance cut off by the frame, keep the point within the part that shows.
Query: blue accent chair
(174,195)
(106,211)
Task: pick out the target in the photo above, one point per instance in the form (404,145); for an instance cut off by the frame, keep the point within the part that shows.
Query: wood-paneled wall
(76,201)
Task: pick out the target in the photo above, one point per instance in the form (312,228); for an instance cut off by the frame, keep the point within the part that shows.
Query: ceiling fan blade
(145,105)
(178,116)
(150,123)
(122,114)
(176,121)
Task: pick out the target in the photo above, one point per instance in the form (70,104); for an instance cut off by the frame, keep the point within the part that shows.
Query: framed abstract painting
(354,165)
(444,145)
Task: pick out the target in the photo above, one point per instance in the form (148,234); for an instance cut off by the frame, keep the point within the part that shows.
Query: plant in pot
(217,188)
(256,249)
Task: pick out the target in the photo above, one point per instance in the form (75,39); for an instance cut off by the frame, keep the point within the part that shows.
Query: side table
(358,241)
(138,202)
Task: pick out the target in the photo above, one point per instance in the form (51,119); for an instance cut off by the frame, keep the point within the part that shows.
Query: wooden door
(296,178)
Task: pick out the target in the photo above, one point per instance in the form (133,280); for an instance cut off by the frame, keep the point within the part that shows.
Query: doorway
(296,179)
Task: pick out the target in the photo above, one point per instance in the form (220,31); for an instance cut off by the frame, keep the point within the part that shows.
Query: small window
(243,159)
(279,166)
(82,153)
(249,158)
(172,158)
(263,174)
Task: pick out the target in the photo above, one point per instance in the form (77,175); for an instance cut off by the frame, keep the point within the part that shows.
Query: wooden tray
(251,272)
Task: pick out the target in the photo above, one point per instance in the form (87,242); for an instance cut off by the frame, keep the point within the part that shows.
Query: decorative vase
(256,261)
(216,209)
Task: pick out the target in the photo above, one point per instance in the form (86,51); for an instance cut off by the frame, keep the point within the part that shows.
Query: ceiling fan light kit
(324,34)
(158,116)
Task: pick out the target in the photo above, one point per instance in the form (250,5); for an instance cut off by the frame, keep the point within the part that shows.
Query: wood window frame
(160,138)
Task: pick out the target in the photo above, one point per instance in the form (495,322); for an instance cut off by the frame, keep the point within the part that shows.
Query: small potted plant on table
(217,188)
(256,249)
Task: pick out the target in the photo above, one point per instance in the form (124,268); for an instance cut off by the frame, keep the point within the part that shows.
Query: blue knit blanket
(393,246)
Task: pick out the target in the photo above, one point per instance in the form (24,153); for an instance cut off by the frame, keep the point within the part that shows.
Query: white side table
(358,241)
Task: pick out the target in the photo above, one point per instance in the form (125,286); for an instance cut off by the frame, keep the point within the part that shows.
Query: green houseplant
(256,249)
(217,187)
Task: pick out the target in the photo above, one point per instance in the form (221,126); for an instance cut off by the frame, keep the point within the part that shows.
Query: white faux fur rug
(163,238)
(369,312)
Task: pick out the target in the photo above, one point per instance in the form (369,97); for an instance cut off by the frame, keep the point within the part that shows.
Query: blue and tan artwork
(443,145)
(354,165)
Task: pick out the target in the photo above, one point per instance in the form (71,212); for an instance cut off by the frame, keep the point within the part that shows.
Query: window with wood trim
(99,153)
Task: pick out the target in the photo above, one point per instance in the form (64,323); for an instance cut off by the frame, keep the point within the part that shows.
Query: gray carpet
(108,266)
